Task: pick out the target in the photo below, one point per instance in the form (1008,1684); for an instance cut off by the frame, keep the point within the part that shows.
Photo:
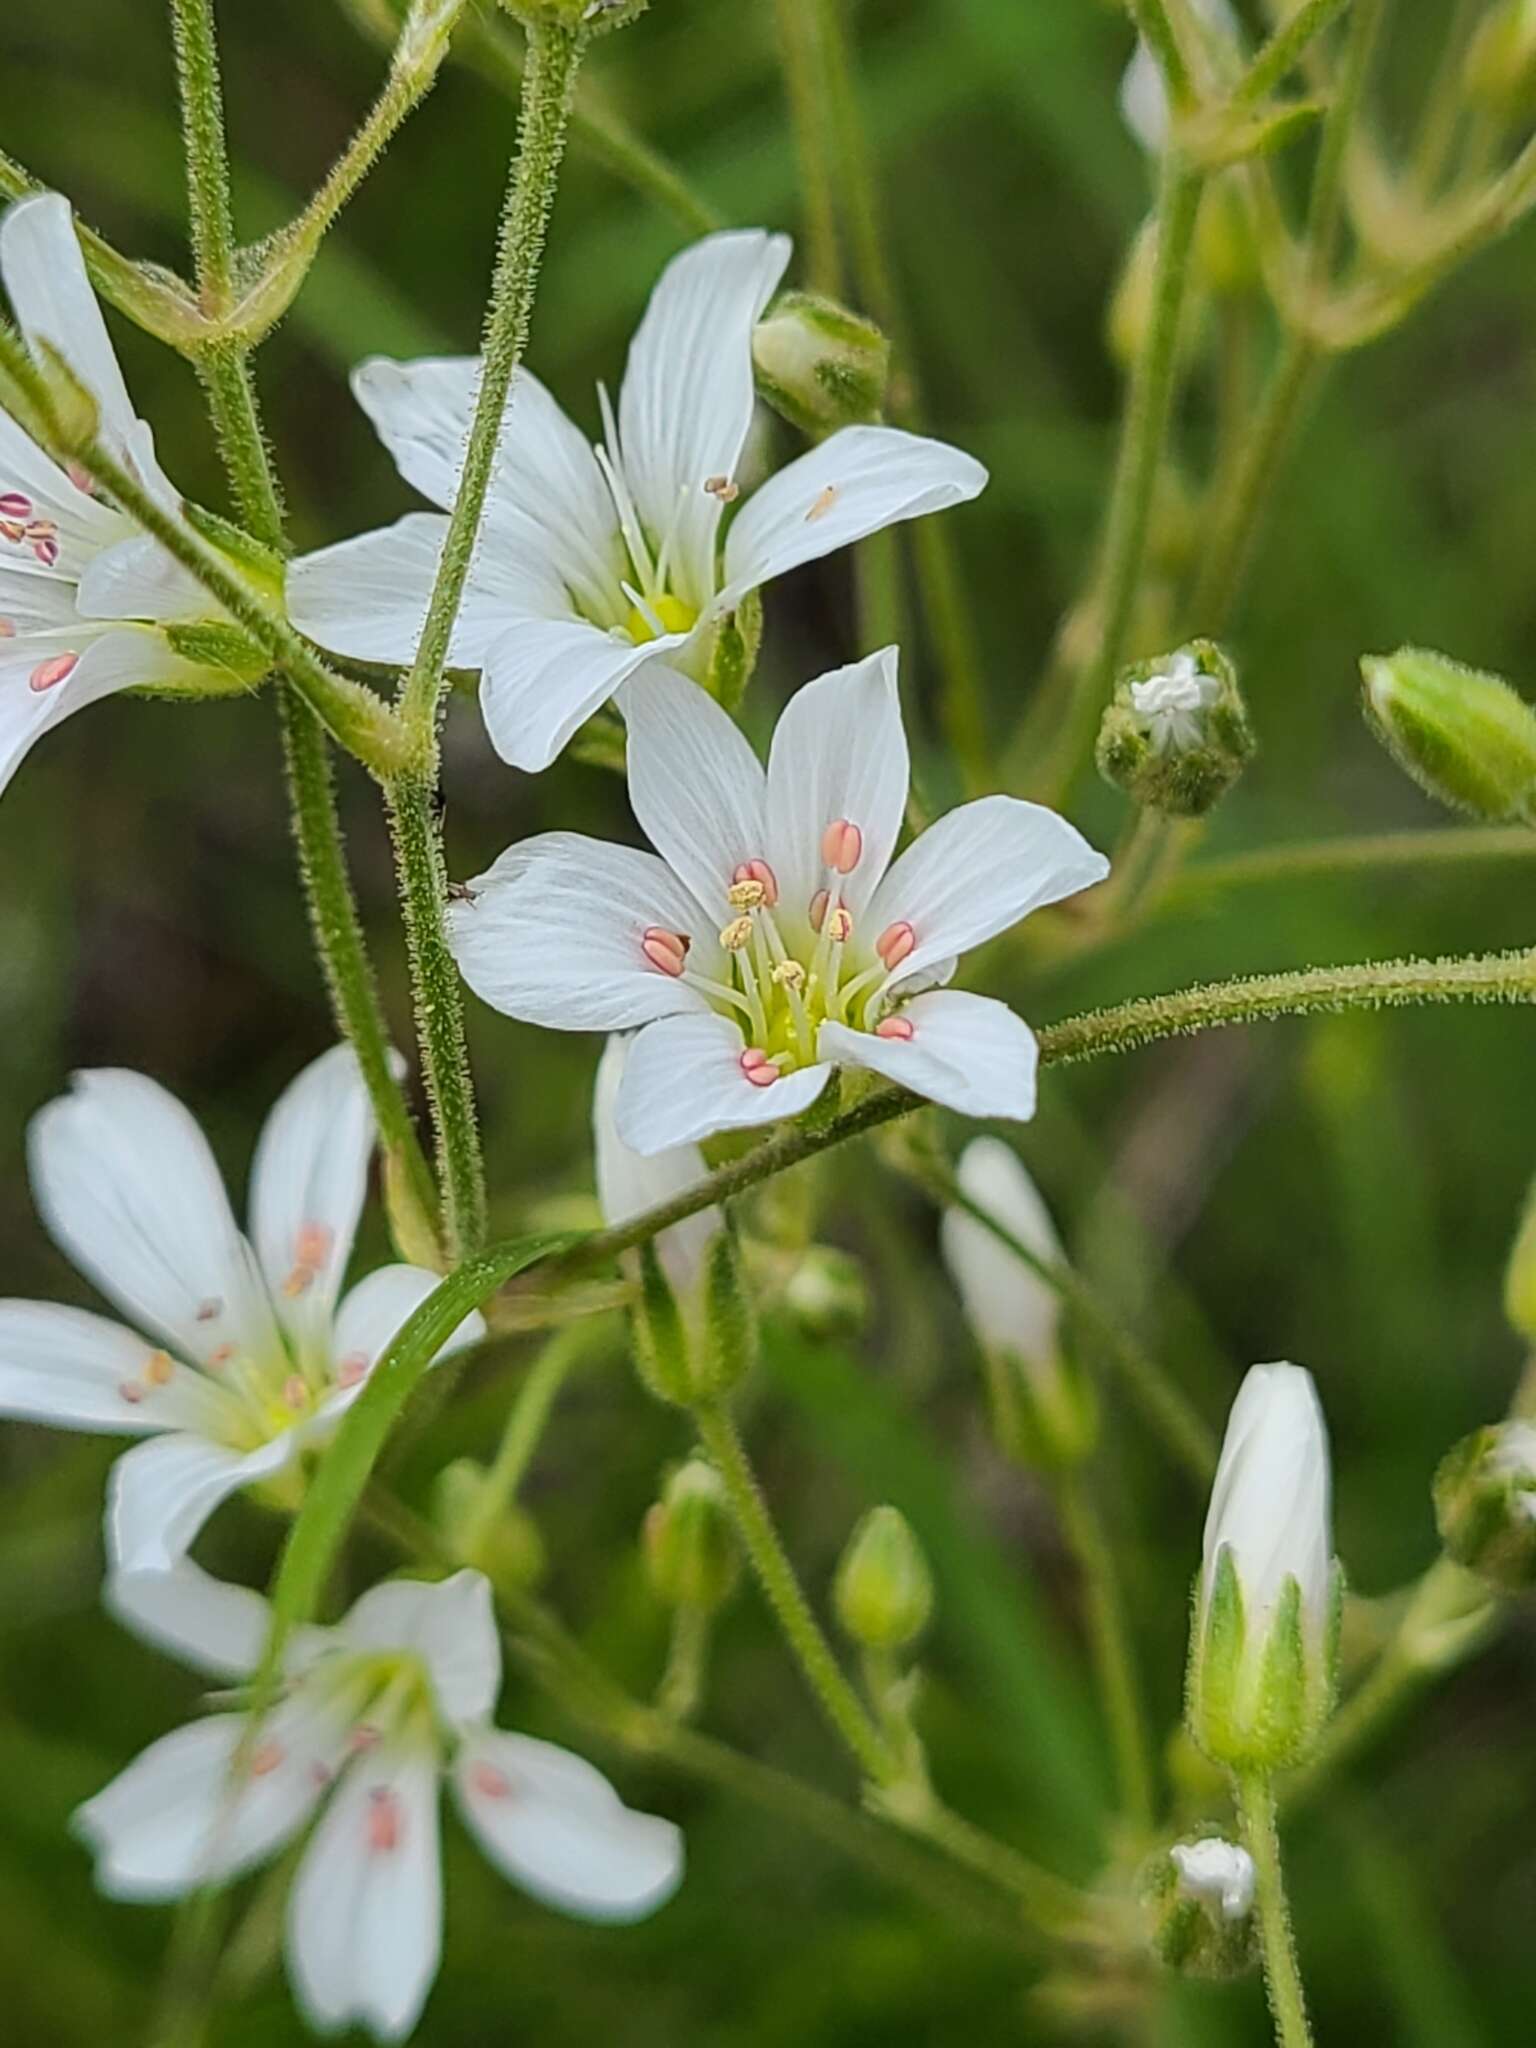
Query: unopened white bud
(1202,1891)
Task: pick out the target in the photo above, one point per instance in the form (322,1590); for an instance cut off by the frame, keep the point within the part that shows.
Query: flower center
(650,617)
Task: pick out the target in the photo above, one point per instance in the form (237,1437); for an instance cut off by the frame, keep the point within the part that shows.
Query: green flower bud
(732,654)
(1264,1641)
(508,1548)
(827,1293)
(660,1334)
(883,1591)
(1485,1504)
(1520,1273)
(231,660)
(1226,248)
(1176,735)
(691,1557)
(1201,1894)
(1499,69)
(1463,735)
(819,365)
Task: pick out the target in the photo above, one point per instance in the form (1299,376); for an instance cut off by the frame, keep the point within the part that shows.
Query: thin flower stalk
(1282,1971)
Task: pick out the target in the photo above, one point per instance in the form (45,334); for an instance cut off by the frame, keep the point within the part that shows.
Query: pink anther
(758,1068)
(132,1392)
(352,1369)
(15,505)
(295,1392)
(842,846)
(159,1369)
(52,671)
(383,1820)
(46,549)
(895,943)
(759,871)
(667,951)
(489,1782)
(818,910)
(896,1027)
(265,1758)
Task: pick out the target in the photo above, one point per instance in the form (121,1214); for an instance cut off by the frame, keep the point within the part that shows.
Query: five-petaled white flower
(774,939)
(246,1358)
(1170,703)
(595,562)
(373,1714)
(80,587)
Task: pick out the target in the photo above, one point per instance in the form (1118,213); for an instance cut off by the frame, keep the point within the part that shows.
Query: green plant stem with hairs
(1109,1638)
(1282,1974)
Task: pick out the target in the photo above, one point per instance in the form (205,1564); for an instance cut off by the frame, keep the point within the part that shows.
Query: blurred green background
(1341,1193)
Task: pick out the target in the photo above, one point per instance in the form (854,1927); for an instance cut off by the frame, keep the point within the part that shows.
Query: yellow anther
(158,1369)
(746,895)
(789,974)
(737,933)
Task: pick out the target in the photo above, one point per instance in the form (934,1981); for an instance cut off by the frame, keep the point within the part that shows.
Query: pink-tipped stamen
(666,951)
(818,910)
(265,1758)
(759,871)
(353,1369)
(48,674)
(895,943)
(842,846)
(758,1068)
(896,1027)
(132,1392)
(839,926)
(15,505)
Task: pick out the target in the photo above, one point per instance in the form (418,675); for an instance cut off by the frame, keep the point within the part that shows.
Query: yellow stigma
(675,617)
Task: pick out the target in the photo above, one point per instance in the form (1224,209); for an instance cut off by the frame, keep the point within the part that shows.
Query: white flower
(79,585)
(774,939)
(595,562)
(628,1183)
(1143,95)
(1216,1873)
(374,1713)
(1011,1308)
(1170,703)
(247,1358)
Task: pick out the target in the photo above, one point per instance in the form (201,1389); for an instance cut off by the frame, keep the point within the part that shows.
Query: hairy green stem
(1110,1640)
(1282,1973)
(802,34)
(207,154)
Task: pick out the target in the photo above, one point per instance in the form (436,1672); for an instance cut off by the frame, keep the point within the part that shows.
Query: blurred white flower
(628,1183)
(594,562)
(1009,1306)
(80,587)
(775,939)
(1216,1873)
(1143,95)
(373,1714)
(247,1357)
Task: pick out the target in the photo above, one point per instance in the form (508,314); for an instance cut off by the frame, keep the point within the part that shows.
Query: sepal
(733,649)
(689,1543)
(883,1592)
(728,1337)
(1463,735)
(819,365)
(660,1334)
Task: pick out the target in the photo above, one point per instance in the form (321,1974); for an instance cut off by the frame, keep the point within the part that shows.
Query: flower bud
(819,365)
(1263,1645)
(1499,69)
(883,1591)
(1463,735)
(1485,1504)
(508,1548)
(1045,1410)
(827,1293)
(1130,304)
(1201,1891)
(691,1558)
(1176,734)
(1226,246)
(1520,1273)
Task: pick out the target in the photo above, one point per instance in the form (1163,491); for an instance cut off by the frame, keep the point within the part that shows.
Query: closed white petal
(545,677)
(160,1493)
(684,1081)
(978,870)
(308,1181)
(367,597)
(857,481)
(204,1622)
(365,1915)
(450,1624)
(549,511)
(377,1309)
(80,1371)
(129,1189)
(47,676)
(968,1052)
(1270,1498)
(1010,1306)
(177,1818)
(557,1827)
(628,1184)
(52,299)
(839,754)
(138,579)
(555,934)
(687,398)
(695,784)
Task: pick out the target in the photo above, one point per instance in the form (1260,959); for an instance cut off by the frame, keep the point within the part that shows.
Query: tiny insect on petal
(822,503)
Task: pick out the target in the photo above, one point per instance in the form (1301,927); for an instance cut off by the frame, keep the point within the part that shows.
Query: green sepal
(1280,1722)
(1216,1645)
(733,651)
(231,659)
(692,1556)
(260,562)
(1179,781)
(660,1336)
(730,1334)
(1482,1509)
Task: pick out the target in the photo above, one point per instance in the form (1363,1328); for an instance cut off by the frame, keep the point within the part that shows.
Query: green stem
(776,1575)
(554,53)
(682,1682)
(207,155)
(1326,208)
(802,33)
(1369,853)
(525,1424)
(1284,50)
(439,1005)
(1109,1637)
(1282,1974)
(1157,31)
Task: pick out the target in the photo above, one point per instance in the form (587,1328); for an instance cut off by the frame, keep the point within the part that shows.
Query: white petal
(684,1081)
(367,597)
(1270,1499)
(308,1182)
(450,1624)
(377,1309)
(365,1915)
(175,1819)
(686,403)
(129,1189)
(553,935)
(557,1828)
(839,752)
(978,870)
(139,579)
(121,658)
(1010,1306)
(160,1493)
(69,1367)
(695,784)
(53,302)
(856,482)
(84,524)
(968,1052)
(210,1625)
(628,1184)
(546,676)
(549,511)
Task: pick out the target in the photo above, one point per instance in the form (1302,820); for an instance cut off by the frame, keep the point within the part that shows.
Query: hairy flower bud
(819,365)
(1044,1406)
(1176,735)
(883,1591)
(1485,1504)
(1463,735)
(1263,1645)
(1520,1273)
(1201,1892)
(691,1558)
